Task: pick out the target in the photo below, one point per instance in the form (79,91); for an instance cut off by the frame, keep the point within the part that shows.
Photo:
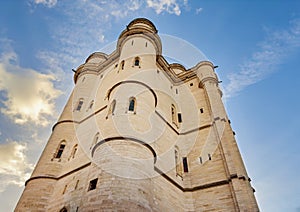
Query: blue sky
(256,45)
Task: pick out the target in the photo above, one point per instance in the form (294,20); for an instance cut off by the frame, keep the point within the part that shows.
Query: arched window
(60,149)
(137,61)
(132,104)
(74,150)
(122,65)
(112,107)
(178,162)
(173,113)
(79,104)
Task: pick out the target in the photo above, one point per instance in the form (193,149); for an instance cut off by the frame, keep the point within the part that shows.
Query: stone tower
(140,134)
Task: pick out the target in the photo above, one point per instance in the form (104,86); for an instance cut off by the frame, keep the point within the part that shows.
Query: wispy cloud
(29,95)
(170,6)
(47,3)
(135,5)
(14,166)
(272,52)
(86,24)
(198,10)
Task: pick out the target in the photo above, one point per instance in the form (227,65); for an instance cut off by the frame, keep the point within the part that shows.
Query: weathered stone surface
(131,151)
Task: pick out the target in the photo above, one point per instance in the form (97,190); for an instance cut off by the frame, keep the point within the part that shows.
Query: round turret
(97,57)
(141,27)
(142,23)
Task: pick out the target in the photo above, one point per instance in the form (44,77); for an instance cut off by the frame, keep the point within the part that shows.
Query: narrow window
(173,113)
(200,160)
(177,162)
(176,91)
(74,151)
(93,184)
(122,64)
(91,104)
(209,157)
(112,107)
(185,164)
(201,110)
(176,158)
(132,43)
(179,118)
(146,44)
(131,104)
(60,149)
(83,79)
(136,61)
(79,105)
(76,185)
(65,188)
(96,138)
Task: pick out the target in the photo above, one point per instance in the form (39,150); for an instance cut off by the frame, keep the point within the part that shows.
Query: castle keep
(140,134)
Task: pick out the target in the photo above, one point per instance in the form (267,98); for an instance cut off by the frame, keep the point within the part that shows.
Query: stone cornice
(57,178)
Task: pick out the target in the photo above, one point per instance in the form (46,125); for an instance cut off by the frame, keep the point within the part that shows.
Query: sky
(256,45)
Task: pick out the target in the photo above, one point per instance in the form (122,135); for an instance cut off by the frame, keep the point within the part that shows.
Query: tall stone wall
(139,134)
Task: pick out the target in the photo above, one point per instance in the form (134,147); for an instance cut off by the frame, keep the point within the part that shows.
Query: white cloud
(123,9)
(29,95)
(170,6)
(93,19)
(14,166)
(134,5)
(271,53)
(198,10)
(119,13)
(48,3)
(86,36)
(101,38)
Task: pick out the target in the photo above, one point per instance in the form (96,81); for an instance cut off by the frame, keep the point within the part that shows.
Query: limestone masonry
(140,134)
